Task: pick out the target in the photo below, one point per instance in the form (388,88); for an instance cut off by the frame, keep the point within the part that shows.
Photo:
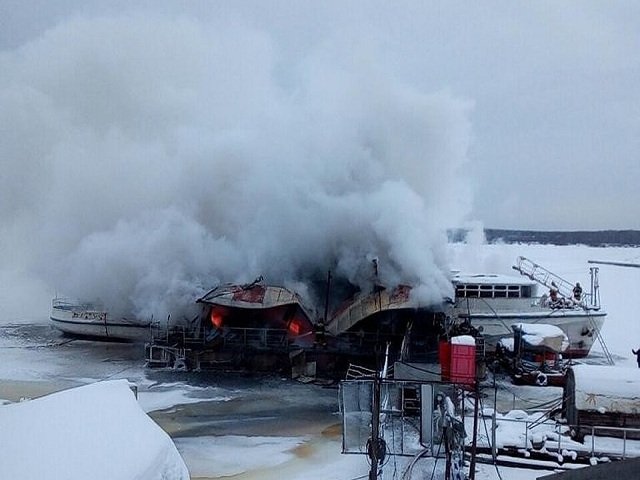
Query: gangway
(539,274)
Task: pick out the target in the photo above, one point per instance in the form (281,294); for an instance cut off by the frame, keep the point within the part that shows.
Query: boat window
(486,291)
(494,291)
(513,291)
(467,291)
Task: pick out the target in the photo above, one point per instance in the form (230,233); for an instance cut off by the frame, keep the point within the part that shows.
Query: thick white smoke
(147,158)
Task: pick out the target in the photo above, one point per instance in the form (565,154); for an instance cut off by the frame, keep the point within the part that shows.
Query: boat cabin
(492,286)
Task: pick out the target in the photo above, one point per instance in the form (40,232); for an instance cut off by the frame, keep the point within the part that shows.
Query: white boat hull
(582,327)
(76,321)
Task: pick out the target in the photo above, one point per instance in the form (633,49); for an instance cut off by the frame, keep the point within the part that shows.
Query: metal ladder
(544,277)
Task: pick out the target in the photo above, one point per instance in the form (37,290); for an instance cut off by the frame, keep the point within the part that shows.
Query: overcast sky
(172,143)
(555,86)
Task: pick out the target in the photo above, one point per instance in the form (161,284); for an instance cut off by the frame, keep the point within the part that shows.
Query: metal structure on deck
(588,301)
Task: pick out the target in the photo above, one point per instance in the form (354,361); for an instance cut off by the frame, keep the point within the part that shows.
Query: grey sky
(555,86)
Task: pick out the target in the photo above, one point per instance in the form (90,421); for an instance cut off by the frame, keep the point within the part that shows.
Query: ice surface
(218,456)
(162,398)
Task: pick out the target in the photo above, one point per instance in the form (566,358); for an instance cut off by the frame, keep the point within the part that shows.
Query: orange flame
(216,319)
(294,327)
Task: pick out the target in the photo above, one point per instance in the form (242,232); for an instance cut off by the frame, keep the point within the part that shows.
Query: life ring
(541,380)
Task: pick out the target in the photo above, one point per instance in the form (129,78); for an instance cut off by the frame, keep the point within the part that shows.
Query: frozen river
(272,427)
(222,424)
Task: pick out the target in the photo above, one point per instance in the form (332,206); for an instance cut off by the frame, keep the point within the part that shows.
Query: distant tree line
(601,238)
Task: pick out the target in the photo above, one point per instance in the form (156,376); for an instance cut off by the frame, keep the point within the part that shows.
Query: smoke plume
(148,158)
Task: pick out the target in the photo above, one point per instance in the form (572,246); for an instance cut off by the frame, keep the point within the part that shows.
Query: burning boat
(252,325)
(265,328)
(258,326)
(368,322)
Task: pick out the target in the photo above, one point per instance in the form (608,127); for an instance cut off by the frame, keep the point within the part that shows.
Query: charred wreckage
(266,328)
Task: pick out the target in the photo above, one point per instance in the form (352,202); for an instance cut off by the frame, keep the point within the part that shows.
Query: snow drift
(96,431)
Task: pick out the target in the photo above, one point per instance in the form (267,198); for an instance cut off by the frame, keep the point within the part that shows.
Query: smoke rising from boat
(148,158)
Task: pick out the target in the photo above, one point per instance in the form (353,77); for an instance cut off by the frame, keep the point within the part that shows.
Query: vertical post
(375,429)
(624,443)
(494,447)
(559,438)
(474,442)
(595,294)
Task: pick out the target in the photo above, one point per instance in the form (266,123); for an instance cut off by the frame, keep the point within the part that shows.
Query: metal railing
(255,337)
(556,444)
(549,279)
(624,431)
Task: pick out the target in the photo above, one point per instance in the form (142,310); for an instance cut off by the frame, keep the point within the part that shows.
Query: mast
(326,297)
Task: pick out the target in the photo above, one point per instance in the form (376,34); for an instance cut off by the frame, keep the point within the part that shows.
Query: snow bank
(96,431)
(604,388)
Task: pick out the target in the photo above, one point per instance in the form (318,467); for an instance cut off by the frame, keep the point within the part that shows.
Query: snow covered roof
(97,431)
(463,340)
(254,296)
(605,388)
(490,279)
(542,335)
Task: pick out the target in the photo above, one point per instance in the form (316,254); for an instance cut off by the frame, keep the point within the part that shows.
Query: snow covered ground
(96,431)
(275,429)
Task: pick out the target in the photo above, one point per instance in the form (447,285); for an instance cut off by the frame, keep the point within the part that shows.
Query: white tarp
(607,389)
(543,335)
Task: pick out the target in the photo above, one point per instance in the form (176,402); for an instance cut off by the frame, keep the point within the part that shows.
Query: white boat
(94,321)
(496,302)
